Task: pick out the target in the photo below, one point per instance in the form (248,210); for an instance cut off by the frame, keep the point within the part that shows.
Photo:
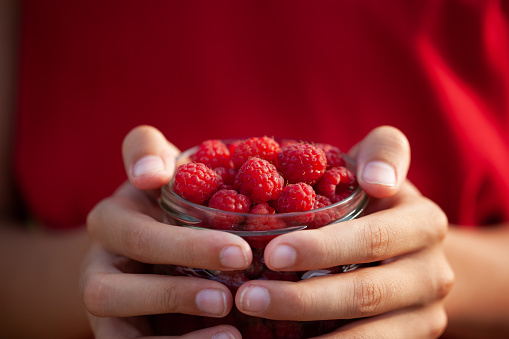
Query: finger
(383,158)
(149,158)
(411,224)
(122,328)
(116,328)
(107,292)
(127,227)
(402,283)
(426,323)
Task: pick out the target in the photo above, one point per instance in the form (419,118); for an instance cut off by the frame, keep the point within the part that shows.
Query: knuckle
(94,217)
(96,293)
(378,240)
(303,303)
(369,295)
(168,300)
(438,218)
(445,282)
(138,243)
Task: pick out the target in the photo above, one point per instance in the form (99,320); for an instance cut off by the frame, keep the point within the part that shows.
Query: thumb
(149,158)
(383,158)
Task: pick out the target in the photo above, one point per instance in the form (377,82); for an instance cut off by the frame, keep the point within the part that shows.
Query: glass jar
(179,211)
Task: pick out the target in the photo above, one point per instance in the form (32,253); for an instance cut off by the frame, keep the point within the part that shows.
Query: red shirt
(325,71)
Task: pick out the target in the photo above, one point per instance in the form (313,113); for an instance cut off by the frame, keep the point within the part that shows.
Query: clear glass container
(178,211)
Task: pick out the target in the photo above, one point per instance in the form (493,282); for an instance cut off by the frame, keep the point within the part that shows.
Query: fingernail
(255,299)
(148,164)
(233,257)
(223,335)
(211,301)
(284,256)
(379,173)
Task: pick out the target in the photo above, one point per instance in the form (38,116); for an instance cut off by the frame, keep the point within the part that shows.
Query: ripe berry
(231,201)
(296,198)
(336,184)
(264,148)
(333,154)
(260,223)
(195,182)
(302,163)
(213,153)
(259,179)
(325,217)
(321,201)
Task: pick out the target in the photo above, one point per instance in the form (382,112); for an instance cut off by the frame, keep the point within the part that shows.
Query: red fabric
(324,71)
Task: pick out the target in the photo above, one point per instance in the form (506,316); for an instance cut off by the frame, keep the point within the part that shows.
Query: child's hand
(402,297)
(126,232)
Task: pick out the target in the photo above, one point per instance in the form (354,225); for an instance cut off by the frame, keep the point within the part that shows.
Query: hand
(126,233)
(400,298)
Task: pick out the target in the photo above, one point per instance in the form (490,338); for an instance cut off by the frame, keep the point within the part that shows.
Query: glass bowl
(179,211)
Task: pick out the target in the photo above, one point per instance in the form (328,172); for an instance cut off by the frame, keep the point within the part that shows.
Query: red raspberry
(296,198)
(195,182)
(321,201)
(259,223)
(333,154)
(259,179)
(231,201)
(302,163)
(213,153)
(337,184)
(322,218)
(264,148)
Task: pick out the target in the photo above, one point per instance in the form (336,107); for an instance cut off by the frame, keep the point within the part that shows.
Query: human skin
(52,307)
(402,228)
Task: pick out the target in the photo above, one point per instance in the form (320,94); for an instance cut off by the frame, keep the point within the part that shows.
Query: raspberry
(260,223)
(231,201)
(262,208)
(302,163)
(321,201)
(258,179)
(333,154)
(296,198)
(213,153)
(322,218)
(264,148)
(195,182)
(336,184)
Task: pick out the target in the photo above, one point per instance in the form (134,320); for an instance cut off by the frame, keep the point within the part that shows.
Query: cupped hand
(127,233)
(400,298)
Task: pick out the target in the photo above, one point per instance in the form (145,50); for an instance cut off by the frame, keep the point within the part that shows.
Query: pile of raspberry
(262,177)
